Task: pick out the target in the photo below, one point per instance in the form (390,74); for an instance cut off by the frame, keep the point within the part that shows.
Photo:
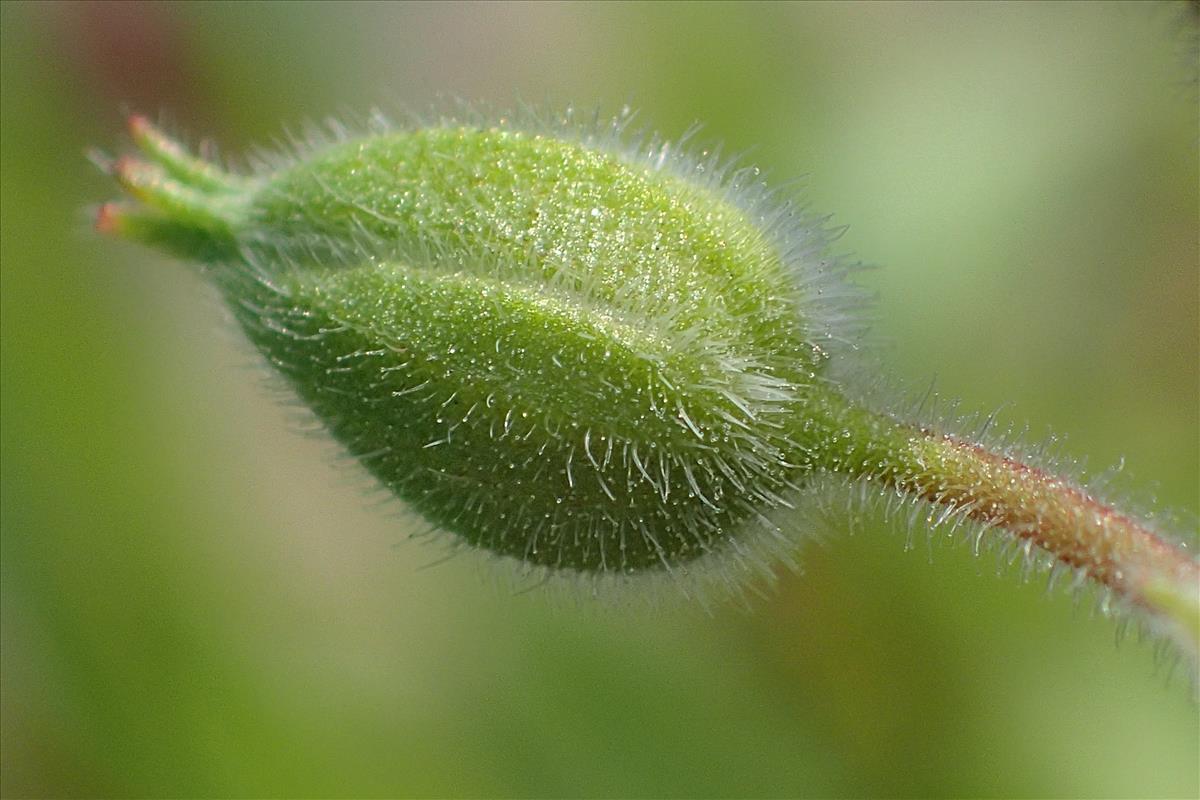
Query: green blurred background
(199,599)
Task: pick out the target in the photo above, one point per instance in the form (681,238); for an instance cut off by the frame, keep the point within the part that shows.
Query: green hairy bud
(589,354)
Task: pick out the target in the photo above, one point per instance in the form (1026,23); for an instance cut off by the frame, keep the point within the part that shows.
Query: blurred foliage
(199,601)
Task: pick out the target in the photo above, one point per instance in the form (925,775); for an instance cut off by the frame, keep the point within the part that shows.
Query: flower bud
(592,357)
(545,343)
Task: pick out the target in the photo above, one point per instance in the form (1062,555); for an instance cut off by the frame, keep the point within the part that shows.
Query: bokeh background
(199,599)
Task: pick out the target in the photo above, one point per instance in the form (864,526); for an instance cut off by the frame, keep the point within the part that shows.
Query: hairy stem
(1114,549)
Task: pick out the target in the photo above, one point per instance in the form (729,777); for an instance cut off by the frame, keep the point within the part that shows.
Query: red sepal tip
(108,219)
(139,126)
